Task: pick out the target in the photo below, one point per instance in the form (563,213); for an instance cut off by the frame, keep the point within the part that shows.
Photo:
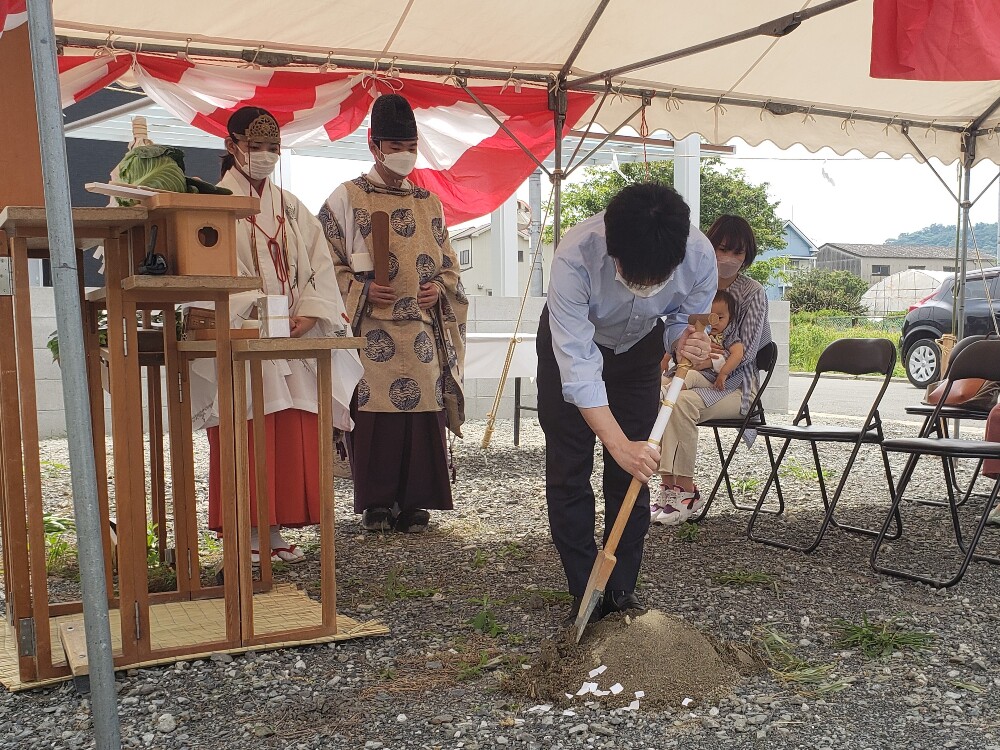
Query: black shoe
(574,612)
(412,521)
(621,601)
(377,519)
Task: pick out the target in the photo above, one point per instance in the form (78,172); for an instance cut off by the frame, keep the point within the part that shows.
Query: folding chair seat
(852,357)
(767,358)
(979,359)
(940,426)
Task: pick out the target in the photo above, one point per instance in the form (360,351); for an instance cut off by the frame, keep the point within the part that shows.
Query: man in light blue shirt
(622,286)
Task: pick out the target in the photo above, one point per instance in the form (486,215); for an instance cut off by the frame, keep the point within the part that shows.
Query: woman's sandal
(290,554)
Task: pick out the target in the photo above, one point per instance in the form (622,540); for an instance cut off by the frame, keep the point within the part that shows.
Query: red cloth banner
(936,40)
(465,156)
(13,13)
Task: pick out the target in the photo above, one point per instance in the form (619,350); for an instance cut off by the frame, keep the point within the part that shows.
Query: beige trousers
(679,447)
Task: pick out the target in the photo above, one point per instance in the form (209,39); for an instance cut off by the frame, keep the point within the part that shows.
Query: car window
(975,289)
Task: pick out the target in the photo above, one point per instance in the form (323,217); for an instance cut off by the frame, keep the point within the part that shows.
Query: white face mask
(729,265)
(643,291)
(262,164)
(400,163)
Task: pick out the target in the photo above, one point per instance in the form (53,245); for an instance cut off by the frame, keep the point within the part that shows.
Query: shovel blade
(599,575)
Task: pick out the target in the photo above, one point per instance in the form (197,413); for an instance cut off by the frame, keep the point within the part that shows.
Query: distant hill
(940,235)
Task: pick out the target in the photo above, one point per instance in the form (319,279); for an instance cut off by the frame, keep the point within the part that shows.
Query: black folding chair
(853,357)
(767,357)
(979,359)
(940,427)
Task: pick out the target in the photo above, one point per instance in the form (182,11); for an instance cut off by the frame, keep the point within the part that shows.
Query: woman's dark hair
(733,233)
(724,295)
(646,229)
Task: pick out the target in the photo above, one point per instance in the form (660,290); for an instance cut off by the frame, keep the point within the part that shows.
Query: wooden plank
(292,347)
(260,467)
(74,643)
(241,206)
(228,468)
(242,504)
(17,583)
(203,285)
(157,472)
(16,220)
(328,567)
(20,157)
(115,267)
(185,503)
(31,457)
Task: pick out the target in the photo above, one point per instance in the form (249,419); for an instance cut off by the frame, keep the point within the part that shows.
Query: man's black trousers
(633,385)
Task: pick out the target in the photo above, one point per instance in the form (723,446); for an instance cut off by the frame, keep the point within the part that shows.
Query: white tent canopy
(810,86)
(897,292)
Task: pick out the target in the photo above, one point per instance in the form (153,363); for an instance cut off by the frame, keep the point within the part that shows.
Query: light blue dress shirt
(588,306)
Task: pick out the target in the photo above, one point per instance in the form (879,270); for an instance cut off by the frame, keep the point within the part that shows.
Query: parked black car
(931,317)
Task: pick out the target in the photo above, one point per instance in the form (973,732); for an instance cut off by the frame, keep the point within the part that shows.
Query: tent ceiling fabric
(823,65)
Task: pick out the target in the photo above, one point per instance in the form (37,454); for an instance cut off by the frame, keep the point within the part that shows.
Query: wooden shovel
(606,559)
(380,247)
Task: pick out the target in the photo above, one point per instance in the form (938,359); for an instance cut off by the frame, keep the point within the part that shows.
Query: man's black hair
(733,233)
(646,228)
(724,295)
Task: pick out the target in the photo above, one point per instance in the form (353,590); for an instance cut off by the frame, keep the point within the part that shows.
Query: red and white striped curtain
(13,13)
(465,157)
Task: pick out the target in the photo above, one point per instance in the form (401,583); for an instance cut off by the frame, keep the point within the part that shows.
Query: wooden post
(20,157)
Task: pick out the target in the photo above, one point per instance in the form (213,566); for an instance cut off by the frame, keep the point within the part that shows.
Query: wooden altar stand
(42,641)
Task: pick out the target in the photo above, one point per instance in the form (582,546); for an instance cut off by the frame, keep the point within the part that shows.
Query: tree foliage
(820,289)
(722,192)
(766,270)
(942,235)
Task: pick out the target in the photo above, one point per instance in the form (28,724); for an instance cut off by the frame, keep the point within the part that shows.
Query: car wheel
(923,362)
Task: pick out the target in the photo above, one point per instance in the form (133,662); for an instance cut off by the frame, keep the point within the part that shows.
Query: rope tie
(931,130)
(718,110)
(848,123)
(451,78)
(885,130)
(511,81)
(253,63)
(672,102)
(329,65)
(644,134)
(808,116)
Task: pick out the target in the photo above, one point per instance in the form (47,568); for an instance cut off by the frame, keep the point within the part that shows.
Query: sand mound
(655,653)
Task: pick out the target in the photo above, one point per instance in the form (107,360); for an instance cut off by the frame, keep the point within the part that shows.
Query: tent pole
(536,283)
(557,103)
(968,157)
(578,48)
(139,104)
(776,27)
(69,319)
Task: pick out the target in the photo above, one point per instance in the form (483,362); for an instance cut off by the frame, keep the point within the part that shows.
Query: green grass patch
(811,333)
(881,638)
(810,678)
(397,588)
(745,578)
(485,621)
(688,532)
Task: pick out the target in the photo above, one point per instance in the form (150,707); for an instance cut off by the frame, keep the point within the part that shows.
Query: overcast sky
(830,198)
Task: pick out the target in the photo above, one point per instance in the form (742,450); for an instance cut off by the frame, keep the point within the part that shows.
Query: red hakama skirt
(293,492)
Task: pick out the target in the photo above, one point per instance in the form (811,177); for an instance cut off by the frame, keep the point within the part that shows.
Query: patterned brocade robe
(414,358)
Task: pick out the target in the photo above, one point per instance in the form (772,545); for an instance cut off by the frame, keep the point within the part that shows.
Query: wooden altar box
(197,233)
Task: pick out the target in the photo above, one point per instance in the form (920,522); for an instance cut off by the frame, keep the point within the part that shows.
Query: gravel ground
(438,682)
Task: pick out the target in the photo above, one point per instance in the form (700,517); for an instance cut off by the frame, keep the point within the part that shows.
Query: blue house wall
(798,246)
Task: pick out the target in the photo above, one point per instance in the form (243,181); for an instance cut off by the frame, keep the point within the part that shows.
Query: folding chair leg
(829,503)
(897,517)
(970,552)
(725,461)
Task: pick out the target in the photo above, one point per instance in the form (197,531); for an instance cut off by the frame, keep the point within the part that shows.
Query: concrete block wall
(486,315)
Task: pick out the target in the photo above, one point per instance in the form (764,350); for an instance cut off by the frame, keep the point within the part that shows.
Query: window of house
(465,257)
(917,268)
(880,270)
(520,256)
(950,269)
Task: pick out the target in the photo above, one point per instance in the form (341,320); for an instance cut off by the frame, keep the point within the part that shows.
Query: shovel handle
(700,322)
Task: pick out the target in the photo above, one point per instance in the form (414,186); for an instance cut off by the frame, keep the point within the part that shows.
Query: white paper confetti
(633,706)
(542,708)
(569,695)
(567,712)
(597,671)
(616,688)
(687,702)
(640,694)
(601,693)
(587,688)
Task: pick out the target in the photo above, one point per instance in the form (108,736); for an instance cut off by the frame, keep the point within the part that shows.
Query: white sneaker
(677,506)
